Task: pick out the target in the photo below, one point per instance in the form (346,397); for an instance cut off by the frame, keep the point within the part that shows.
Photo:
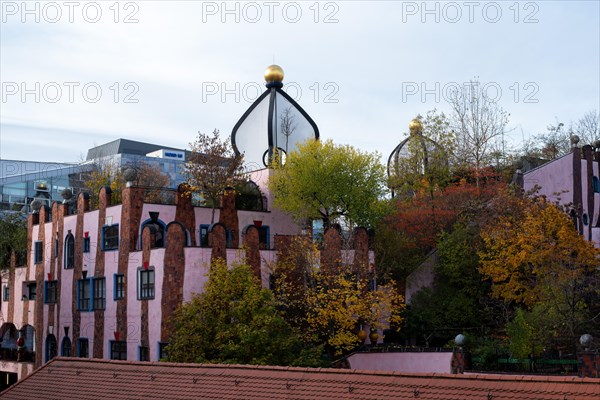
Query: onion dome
(273,123)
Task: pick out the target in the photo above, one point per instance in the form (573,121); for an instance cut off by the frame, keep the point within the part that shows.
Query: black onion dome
(273,121)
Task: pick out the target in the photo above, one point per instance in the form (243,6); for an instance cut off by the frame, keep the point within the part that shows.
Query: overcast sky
(79,74)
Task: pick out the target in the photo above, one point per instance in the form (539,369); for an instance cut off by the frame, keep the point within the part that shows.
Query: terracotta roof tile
(81,379)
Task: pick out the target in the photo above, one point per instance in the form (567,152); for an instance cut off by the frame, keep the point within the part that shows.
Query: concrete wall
(403,362)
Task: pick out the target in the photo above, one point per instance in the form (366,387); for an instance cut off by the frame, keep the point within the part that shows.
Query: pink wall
(402,362)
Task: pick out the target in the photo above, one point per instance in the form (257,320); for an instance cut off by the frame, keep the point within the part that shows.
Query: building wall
(180,269)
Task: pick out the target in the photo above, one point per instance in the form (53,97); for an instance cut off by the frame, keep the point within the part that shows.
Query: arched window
(249,197)
(66,347)
(51,347)
(159,229)
(69,251)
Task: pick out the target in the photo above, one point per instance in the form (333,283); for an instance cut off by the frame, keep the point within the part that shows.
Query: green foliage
(321,180)
(236,321)
(13,238)
(530,332)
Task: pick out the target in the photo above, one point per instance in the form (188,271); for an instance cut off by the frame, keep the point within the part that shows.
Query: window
(83,346)
(50,292)
(110,237)
(69,251)
(99,293)
(162,352)
(596,184)
(6,293)
(86,245)
(144,353)
(55,248)
(29,290)
(228,239)
(204,235)
(38,250)
(118,350)
(51,347)
(264,236)
(585,219)
(83,294)
(119,292)
(66,348)
(146,283)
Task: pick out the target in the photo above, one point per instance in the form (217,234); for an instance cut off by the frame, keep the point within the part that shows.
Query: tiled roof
(81,379)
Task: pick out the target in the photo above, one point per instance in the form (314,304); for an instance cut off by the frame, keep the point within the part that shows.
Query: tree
(539,259)
(588,127)
(212,168)
(551,145)
(328,309)
(234,320)
(321,180)
(13,239)
(479,123)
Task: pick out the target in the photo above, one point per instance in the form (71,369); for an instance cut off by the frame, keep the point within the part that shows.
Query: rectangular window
(83,294)
(146,283)
(119,292)
(38,252)
(264,236)
(110,237)
(144,353)
(29,290)
(118,350)
(99,293)
(228,239)
(50,292)
(162,352)
(204,235)
(83,346)
(6,293)
(86,245)
(55,248)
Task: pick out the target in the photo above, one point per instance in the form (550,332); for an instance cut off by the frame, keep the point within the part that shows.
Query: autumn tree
(213,167)
(321,180)
(330,309)
(539,259)
(479,123)
(234,320)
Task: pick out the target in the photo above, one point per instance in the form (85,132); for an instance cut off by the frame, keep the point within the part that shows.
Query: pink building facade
(572,181)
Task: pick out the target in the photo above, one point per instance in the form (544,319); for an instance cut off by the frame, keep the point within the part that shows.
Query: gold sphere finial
(415,126)
(274,73)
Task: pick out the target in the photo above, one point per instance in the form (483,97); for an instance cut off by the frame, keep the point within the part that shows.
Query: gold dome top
(415,126)
(274,73)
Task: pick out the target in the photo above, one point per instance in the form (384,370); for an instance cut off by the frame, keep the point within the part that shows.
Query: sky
(79,74)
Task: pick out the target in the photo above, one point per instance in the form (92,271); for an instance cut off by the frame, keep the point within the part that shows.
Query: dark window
(99,293)
(66,347)
(264,237)
(83,346)
(55,248)
(118,350)
(110,237)
(83,294)
(144,353)
(50,291)
(146,283)
(585,219)
(6,293)
(162,352)
(38,252)
(204,235)
(69,251)
(596,184)
(86,245)
(29,291)
(51,347)
(119,286)
(228,239)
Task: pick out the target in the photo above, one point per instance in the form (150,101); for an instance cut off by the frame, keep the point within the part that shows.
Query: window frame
(141,295)
(118,347)
(119,287)
(80,306)
(99,293)
(50,292)
(63,347)
(38,252)
(86,245)
(161,350)
(69,257)
(264,231)
(6,293)
(80,345)
(204,236)
(143,353)
(106,245)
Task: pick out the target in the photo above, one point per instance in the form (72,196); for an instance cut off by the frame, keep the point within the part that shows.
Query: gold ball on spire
(274,73)
(415,126)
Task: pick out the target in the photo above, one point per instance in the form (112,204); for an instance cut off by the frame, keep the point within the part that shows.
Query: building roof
(124,146)
(76,378)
